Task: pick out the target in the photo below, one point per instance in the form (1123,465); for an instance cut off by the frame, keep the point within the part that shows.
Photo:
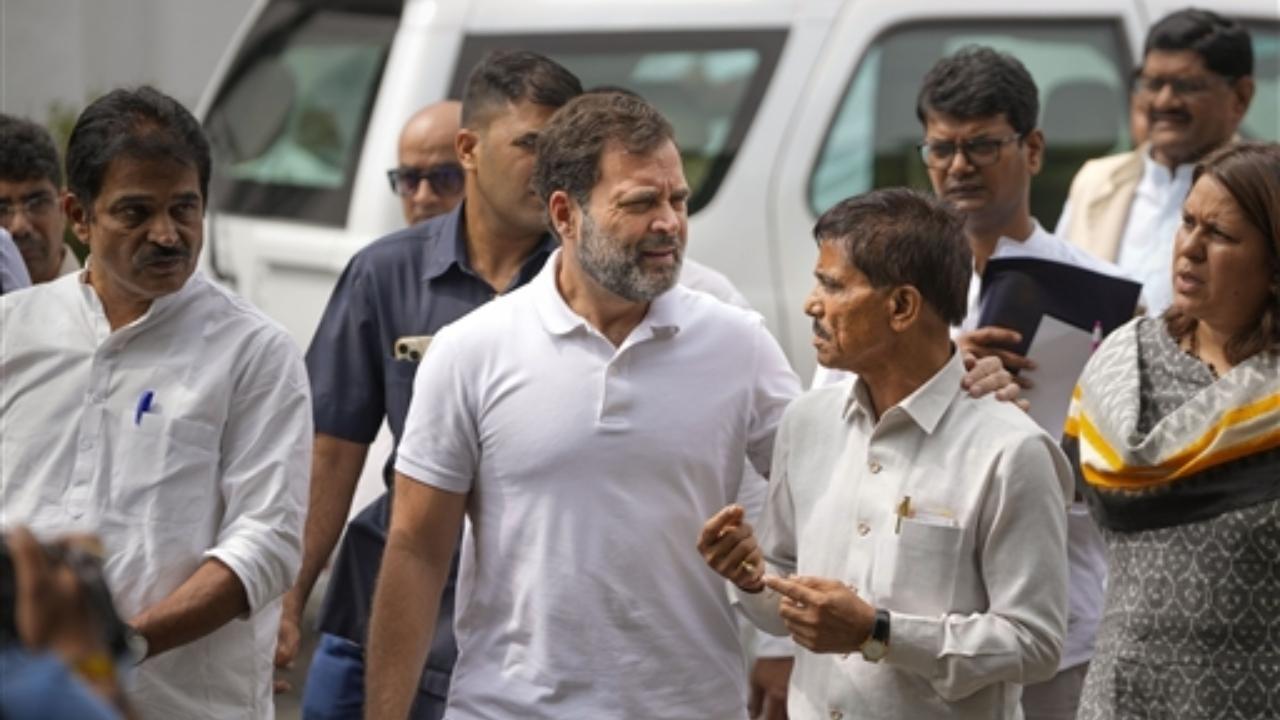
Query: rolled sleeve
(264,476)
(441,444)
(1024,560)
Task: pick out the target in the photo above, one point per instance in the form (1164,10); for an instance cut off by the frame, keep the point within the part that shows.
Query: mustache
(820,331)
(1179,116)
(658,243)
(153,253)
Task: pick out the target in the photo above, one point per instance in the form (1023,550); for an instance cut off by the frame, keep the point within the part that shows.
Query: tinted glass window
(707,84)
(289,123)
(1080,68)
(1263,120)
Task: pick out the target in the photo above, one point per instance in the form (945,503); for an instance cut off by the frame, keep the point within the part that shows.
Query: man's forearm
(405,606)
(335,472)
(209,599)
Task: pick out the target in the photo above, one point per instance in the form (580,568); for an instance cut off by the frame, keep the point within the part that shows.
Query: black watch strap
(880,627)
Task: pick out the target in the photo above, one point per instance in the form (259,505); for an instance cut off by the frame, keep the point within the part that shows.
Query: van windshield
(288,123)
(708,85)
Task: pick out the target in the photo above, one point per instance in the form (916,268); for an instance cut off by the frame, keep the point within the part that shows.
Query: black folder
(1017,291)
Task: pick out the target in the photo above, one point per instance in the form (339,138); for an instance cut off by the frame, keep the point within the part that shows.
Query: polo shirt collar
(558,318)
(925,407)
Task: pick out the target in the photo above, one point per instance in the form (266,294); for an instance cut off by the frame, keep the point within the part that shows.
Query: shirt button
(835,715)
(86,444)
(874,466)
(863,528)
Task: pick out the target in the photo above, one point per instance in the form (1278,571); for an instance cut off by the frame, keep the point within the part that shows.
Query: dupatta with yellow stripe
(1218,452)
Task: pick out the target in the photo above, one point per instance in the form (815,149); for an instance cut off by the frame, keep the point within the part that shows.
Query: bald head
(426,146)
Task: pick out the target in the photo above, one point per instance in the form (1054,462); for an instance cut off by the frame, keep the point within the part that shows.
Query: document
(1060,351)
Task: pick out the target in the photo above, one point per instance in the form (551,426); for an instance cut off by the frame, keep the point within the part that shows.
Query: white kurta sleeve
(265,470)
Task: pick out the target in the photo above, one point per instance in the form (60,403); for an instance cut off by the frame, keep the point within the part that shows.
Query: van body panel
(756,226)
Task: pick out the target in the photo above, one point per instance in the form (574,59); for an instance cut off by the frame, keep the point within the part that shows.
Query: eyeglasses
(35,206)
(1181,86)
(979,153)
(444,179)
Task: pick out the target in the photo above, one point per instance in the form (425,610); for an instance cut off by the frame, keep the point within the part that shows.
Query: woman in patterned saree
(1175,427)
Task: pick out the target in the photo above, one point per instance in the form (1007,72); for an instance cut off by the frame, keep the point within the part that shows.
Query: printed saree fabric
(1216,451)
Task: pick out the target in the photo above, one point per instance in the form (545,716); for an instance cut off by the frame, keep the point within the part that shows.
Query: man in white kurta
(144,404)
(915,537)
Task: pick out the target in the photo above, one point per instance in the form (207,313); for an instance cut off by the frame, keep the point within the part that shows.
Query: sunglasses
(445,179)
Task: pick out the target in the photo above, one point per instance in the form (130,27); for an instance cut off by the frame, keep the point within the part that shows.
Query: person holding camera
(57,656)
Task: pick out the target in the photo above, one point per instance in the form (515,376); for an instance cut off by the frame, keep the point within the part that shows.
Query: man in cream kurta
(927,528)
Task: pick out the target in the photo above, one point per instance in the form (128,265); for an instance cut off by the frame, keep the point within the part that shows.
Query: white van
(781,108)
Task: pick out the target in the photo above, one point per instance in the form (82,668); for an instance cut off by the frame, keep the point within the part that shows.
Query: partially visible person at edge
(146,405)
(55,663)
(926,529)
(1174,433)
(13,270)
(394,295)
(1195,84)
(31,198)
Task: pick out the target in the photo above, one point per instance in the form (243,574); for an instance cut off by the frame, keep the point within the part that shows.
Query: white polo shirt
(591,469)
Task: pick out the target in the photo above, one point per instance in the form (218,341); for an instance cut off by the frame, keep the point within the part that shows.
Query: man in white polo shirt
(586,424)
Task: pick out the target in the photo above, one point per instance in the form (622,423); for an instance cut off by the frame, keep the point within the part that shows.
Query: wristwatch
(137,644)
(876,645)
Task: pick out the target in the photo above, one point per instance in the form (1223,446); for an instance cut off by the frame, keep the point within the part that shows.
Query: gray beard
(618,269)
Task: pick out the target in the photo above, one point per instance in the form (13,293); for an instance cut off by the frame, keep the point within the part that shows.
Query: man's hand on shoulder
(994,342)
(987,375)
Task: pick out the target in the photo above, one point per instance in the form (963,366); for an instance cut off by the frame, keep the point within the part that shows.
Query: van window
(708,85)
(288,125)
(1263,119)
(1080,67)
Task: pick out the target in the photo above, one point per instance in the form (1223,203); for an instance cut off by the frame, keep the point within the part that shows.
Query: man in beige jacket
(1195,85)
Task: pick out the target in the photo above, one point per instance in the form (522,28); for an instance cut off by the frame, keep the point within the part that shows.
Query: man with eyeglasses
(427,177)
(30,207)
(1194,86)
(394,295)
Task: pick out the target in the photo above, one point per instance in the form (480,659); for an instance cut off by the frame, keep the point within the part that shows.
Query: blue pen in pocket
(144,406)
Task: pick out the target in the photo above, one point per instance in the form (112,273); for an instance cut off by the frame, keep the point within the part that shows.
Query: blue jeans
(335,685)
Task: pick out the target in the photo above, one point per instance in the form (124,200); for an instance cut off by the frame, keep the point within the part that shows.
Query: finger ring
(747,566)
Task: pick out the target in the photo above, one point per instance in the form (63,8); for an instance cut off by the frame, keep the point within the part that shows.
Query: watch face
(874,650)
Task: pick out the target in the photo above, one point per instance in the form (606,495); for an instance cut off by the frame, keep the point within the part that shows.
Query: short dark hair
(512,76)
(978,82)
(896,237)
(27,152)
(1250,172)
(570,146)
(141,123)
(1221,42)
